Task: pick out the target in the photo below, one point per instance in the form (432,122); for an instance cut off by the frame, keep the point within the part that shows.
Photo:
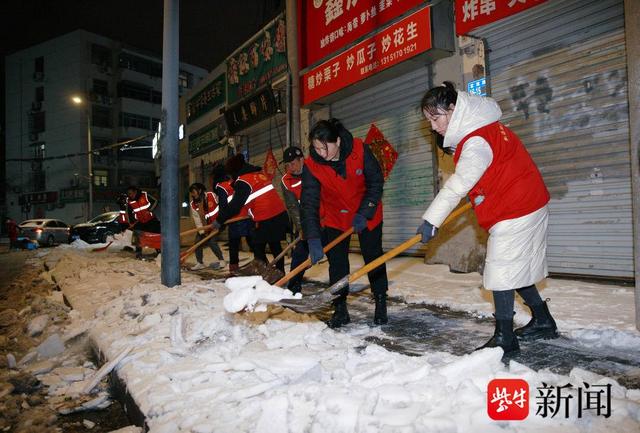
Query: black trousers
(371,248)
(300,254)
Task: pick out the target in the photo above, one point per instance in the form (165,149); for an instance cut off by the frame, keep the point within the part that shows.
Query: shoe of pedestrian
(541,326)
(197,267)
(340,314)
(504,337)
(223,263)
(380,314)
(215,266)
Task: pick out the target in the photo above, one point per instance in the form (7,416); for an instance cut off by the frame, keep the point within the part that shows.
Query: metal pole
(170,218)
(294,71)
(90,159)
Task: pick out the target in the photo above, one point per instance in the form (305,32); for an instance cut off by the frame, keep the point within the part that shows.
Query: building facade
(69,93)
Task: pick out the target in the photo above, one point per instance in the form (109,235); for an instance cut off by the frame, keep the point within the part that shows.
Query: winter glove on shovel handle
(427,231)
(359,223)
(315,250)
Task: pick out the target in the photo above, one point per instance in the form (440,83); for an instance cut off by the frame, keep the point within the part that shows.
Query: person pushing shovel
(509,198)
(342,177)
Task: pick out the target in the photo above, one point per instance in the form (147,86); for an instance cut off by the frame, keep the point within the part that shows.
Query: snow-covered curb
(195,367)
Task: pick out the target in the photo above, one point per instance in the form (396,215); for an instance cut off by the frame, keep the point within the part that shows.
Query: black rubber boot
(380,315)
(503,337)
(340,314)
(295,287)
(541,325)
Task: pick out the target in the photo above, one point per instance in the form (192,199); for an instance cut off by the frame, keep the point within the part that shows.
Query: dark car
(97,230)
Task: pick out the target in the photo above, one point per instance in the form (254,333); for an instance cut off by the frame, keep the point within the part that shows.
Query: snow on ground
(195,367)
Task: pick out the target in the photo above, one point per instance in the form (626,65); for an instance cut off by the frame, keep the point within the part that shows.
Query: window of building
(100,87)
(184,79)
(140,149)
(156,97)
(101,177)
(129,89)
(39,94)
(130,120)
(139,64)
(39,150)
(100,55)
(37,122)
(103,144)
(154,123)
(39,65)
(100,116)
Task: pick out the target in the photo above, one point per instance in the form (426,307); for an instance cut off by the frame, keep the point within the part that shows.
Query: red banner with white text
(475,13)
(390,46)
(326,26)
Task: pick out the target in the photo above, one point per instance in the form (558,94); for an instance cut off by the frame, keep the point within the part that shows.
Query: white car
(46,231)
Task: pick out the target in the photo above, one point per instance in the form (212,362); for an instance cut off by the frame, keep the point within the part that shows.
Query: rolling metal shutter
(559,73)
(394,107)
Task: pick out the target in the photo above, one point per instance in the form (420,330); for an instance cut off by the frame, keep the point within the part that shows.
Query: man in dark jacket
(342,188)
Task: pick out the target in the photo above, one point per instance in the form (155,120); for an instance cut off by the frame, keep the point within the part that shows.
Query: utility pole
(90,158)
(170,218)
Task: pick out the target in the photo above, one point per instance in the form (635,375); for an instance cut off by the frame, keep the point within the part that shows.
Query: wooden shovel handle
(304,265)
(208,226)
(288,247)
(194,247)
(403,246)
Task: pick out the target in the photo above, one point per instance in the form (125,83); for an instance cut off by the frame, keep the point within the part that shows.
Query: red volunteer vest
(226,185)
(340,198)
(141,207)
(211,209)
(123,218)
(512,186)
(293,184)
(263,202)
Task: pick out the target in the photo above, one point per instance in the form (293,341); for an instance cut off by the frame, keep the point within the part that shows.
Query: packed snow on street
(192,365)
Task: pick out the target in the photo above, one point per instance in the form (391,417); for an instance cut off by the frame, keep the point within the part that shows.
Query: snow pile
(253,294)
(120,240)
(194,367)
(78,244)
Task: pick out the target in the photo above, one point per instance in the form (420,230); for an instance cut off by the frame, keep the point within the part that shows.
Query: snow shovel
(202,241)
(307,263)
(269,272)
(318,301)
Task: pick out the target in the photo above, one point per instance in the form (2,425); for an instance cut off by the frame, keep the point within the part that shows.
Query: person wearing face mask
(509,197)
(343,178)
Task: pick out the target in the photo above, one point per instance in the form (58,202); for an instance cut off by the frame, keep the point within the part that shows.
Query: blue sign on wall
(477,87)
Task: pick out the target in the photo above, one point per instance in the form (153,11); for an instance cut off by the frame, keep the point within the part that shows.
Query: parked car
(45,231)
(97,229)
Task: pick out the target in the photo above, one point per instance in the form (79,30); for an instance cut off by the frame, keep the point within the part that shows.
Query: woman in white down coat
(510,201)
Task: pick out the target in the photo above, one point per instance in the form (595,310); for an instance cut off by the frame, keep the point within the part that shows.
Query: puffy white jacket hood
(471,112)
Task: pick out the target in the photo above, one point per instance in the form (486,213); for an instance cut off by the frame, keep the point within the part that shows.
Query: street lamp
(79,101)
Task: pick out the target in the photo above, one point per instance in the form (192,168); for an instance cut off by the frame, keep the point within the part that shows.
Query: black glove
(359,223)
(427,230)
(315,250)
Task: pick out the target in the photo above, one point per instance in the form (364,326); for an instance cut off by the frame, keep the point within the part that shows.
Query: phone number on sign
(392,57)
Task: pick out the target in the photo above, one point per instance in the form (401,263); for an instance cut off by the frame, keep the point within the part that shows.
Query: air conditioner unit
(33,136)
(36,106)
(38,76)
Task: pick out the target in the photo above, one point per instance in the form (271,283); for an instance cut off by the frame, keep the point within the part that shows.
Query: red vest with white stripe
(512,186)
(211,207)
(226,185)
(340,198)
(141,207)
(123,218)
(293,184)
(263,202)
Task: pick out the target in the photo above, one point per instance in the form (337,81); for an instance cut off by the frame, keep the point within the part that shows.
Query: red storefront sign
(475,13)
(326,26)
(398,42)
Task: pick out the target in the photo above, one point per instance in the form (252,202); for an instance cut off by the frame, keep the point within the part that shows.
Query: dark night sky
(209,29)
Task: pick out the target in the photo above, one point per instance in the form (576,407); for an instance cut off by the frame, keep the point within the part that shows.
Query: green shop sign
(207,139)
(258,62)
(206,99)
